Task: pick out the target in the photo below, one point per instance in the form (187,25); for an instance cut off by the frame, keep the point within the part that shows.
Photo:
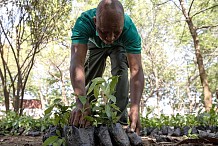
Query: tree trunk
(19,77)
(188,92)
(157,90)
(43,102)
(64,92)
(16,103)
(7,101)
(3,78)
(202,73)
(142,107)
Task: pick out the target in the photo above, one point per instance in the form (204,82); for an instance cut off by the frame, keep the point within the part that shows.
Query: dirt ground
(20,141)
(37,141)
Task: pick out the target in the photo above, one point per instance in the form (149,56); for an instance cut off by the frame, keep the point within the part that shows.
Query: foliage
(13,124)
(213,76)
(201,119)
(208,118)
(26,28)
(167,48)
(104,113)
(59,115)
(55,75)
(54,140)
(103,107)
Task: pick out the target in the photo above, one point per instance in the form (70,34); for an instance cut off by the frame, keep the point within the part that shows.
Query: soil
(37,141)
(20,141)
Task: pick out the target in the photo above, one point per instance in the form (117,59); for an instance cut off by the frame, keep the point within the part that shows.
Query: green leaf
(82,99)
(56,120)
(89,118)
(55,144)
(96,91)
(64,108)
(108,110)
(58,133)
(112,98)
(91,87)
(115,107)
(113,83)
(58,100)
(95,108)
(107,91)
(190,131)
(102,87)
(48,110)
(61,141)
(95,81)
(50,140)
(98,80)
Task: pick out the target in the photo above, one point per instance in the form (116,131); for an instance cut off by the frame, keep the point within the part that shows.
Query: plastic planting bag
(118,135)
(79,136)
(102,136)
(135,140)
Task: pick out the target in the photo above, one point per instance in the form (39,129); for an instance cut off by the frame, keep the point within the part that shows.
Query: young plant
(103,112)
(13,124)
(83,100)
(59,113)
(103,105)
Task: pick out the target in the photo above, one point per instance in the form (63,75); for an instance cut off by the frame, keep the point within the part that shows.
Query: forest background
(179,52)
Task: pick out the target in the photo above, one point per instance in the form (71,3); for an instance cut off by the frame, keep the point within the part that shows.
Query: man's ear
(94,19)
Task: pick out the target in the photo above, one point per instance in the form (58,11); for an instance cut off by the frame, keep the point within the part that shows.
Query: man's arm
(77,75)
(136,88)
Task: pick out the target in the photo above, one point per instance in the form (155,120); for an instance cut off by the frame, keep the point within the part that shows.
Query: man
(97,34)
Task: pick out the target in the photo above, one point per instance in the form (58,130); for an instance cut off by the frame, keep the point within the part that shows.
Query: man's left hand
(135,124)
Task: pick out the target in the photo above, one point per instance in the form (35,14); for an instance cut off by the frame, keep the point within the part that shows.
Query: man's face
(109,26)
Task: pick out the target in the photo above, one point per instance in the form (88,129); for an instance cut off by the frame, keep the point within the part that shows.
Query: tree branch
(204,10)
(163,3)
(183,32)
(190,7)
(176,5)
(202,27)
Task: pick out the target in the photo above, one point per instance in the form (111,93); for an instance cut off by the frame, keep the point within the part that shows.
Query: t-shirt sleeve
(80,32)
(132,40)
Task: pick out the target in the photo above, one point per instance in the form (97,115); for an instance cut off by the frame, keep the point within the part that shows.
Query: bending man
(100,33)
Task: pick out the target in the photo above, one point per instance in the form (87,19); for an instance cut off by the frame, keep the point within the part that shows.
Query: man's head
(109,20)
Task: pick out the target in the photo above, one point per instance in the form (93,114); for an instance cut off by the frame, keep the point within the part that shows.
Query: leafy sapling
(59,114)
(103,105)
(83,100)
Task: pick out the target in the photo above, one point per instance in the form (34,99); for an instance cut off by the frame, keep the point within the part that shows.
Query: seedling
(60,115)
(103,107)
(104,113)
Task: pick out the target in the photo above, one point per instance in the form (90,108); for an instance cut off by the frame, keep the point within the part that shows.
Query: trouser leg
(95,63)
(119,66)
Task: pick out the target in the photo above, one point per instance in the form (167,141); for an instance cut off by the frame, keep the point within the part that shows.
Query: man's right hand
(77,116)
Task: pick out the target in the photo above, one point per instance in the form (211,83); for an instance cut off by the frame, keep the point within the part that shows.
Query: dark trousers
(95,66)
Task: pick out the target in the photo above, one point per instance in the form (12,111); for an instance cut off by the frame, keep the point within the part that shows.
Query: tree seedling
(103,105)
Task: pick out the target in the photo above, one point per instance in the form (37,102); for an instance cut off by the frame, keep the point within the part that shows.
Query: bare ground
(37,141)
(20,141)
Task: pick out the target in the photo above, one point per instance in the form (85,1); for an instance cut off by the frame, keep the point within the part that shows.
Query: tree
(27,26)
(55,60)
(193,29)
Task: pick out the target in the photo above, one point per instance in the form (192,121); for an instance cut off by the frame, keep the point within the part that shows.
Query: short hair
(109,4)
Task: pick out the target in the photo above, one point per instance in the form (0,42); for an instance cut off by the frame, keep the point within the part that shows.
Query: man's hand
(135,124)
(77,117)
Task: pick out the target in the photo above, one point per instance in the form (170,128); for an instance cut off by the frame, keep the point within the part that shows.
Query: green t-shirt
(84,30)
